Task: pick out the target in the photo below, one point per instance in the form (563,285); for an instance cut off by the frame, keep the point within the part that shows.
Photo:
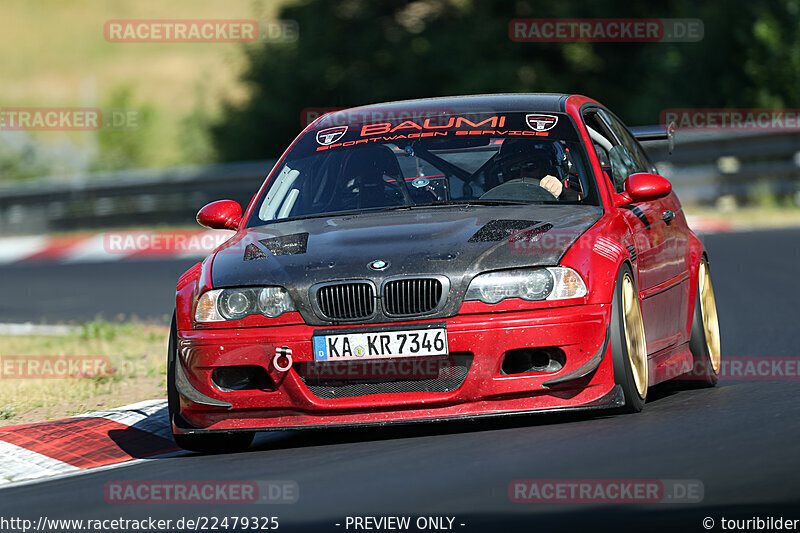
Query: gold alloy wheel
(634,335)
(708,310)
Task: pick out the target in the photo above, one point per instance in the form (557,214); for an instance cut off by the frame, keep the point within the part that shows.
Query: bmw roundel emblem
(379,264)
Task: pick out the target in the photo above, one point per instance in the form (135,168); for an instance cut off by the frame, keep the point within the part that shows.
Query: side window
(611,153)
(638,154)
(623,165)
(618,152)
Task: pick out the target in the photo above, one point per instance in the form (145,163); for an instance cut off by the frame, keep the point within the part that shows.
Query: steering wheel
(395,194)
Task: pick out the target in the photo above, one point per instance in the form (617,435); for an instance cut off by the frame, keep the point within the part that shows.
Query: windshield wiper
(460,202)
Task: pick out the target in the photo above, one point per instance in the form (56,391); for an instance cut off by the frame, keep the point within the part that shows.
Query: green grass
(138,371)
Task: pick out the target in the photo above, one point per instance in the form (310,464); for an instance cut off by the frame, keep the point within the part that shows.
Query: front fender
(598,255)
(695,250)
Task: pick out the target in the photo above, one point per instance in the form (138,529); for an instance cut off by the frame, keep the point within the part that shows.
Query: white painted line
(46,330)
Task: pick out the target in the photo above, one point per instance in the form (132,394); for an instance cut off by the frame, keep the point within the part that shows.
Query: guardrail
(126,198)
(703,167)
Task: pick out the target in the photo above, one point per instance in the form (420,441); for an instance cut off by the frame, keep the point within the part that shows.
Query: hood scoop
(287,244)
(284,245)
(253,253)
(531,235)
(498,230)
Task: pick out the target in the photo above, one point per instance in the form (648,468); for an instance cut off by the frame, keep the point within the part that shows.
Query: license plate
(380,344)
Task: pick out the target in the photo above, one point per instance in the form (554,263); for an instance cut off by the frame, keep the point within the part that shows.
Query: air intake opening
(438,374)
(246,377)
(526,360)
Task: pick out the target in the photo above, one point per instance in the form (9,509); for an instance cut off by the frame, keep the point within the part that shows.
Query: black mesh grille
(346,380)
(346,301)
(413,296)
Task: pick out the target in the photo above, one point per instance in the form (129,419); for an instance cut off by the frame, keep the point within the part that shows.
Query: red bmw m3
(440,259)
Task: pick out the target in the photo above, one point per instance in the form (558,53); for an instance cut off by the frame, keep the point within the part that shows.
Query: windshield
(514,158)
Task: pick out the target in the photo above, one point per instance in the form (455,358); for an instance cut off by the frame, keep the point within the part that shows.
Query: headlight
(234,304)
(550,283)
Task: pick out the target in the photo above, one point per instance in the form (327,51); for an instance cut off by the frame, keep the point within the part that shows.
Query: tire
(173,402)
(628,347)
(212,443)
(704,342)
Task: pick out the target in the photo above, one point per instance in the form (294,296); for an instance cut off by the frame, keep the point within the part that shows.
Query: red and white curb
(97,439)
(708,225)
(111,246)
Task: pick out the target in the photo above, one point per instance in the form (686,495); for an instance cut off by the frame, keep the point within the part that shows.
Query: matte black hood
(455,241)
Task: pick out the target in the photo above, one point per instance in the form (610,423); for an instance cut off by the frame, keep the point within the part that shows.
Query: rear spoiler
(656,133)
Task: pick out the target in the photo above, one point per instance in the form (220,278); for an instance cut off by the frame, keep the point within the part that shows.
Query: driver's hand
(552,185)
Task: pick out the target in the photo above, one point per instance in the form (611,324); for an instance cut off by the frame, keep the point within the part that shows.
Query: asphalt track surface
(741,440)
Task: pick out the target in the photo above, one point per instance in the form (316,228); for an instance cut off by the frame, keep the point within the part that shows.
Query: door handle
(668,217)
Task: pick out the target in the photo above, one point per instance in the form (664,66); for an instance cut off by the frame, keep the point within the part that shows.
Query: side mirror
(644,186)
(222,214)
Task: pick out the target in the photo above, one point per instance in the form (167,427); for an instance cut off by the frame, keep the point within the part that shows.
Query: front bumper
(586,379)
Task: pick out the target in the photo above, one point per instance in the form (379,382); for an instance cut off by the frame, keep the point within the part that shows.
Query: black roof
(482,103)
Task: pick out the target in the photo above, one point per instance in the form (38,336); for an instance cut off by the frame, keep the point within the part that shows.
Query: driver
(528,160)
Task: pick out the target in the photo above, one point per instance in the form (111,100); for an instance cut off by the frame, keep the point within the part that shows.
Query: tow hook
(282,355)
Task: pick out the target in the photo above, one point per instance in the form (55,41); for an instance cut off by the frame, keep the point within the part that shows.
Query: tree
(355,52)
